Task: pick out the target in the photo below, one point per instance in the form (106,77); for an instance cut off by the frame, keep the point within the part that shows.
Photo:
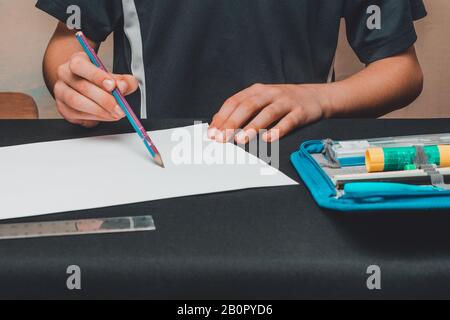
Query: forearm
(62,46)
(383,86)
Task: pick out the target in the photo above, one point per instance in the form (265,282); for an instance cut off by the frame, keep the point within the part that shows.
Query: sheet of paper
(89,173)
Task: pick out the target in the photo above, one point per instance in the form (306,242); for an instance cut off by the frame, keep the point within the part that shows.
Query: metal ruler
(76,227)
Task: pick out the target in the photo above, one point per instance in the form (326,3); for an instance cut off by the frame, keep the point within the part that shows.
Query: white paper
(89,173)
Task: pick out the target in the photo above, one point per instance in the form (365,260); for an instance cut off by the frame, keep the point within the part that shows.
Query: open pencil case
(335,172)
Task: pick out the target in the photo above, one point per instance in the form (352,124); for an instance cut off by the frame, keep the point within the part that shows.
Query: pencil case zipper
(367,196)
(326,181)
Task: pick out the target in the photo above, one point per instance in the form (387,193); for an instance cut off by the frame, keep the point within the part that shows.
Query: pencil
(131,116)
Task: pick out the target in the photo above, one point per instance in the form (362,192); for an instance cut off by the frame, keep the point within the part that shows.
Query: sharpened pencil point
(159,161)
(124,105)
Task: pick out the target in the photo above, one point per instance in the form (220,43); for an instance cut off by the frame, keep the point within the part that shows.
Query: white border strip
(132,28)
(331,72)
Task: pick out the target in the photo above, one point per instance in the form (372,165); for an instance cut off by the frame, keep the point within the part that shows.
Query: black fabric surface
(263,243)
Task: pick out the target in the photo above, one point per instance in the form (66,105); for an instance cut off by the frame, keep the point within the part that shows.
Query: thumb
(126,83)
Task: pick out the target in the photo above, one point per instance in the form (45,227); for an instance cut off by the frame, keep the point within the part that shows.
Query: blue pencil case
(325,176)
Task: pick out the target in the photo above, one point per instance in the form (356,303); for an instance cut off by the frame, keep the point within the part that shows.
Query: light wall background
(27,30)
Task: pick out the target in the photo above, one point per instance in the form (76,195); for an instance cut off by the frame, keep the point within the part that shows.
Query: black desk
(265,243)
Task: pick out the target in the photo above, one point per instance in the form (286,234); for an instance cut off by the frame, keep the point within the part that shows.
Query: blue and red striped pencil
(131,116)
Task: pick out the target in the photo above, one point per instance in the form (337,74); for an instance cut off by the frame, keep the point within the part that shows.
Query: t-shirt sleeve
(382,28)
(98,18)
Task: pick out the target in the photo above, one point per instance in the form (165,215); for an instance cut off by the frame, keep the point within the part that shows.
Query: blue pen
(386,189)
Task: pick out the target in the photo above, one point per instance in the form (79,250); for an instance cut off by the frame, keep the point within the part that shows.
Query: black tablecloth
(264,243)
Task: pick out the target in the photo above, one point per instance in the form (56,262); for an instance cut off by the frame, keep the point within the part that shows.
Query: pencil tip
(159,161)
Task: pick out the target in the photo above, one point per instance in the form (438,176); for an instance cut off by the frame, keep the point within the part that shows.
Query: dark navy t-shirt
(190,55)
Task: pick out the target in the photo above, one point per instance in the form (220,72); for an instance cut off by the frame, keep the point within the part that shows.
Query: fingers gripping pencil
(131,116)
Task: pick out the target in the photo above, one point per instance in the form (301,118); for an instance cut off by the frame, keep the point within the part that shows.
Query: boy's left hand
(260,106)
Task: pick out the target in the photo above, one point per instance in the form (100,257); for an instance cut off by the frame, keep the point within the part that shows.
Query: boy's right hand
(83,92)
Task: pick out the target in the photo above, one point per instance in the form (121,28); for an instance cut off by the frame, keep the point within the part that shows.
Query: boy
(188,56)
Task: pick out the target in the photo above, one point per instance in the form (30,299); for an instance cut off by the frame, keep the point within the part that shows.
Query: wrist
(323,93)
